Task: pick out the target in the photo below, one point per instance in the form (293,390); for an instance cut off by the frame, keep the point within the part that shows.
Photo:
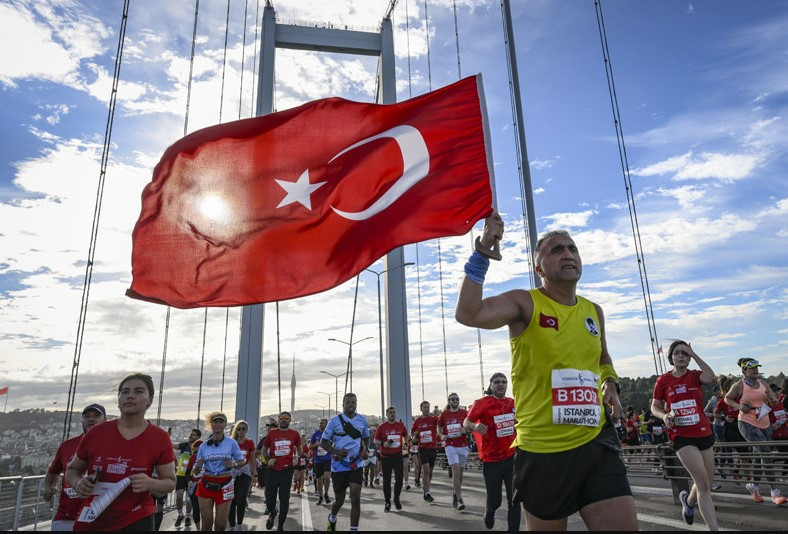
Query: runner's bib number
(454,430)
(685,413)
(504,425)
(576,398)
(228,492)
(425,436)
(394,439)
(779,417)
(282,447)
(321,451)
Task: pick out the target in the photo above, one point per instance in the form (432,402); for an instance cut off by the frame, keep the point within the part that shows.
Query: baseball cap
(97,407)
(219,416)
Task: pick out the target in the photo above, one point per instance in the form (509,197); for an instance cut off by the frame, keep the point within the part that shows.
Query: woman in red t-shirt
(113,467)
(491,419)
(678,400)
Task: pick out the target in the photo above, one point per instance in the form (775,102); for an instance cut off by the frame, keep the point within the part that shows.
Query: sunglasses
(284,418)
(501,381)
(751,364)
(242,428)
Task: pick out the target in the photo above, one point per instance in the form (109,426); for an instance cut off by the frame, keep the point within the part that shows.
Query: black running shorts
(322,468)
(181,483)
(701,444)
(427,456)
(556,485)
(342,479)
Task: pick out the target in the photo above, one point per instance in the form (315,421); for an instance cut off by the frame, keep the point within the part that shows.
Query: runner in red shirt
(114,463)
(280,447)
(678,400)
(68,503)
(389,437)
(491,420)
(451,429)
(425,430)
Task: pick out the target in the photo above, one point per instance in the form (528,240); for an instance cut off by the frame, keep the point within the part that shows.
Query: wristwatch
(618,386)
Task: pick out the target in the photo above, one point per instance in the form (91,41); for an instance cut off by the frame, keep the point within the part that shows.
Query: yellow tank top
(555,376)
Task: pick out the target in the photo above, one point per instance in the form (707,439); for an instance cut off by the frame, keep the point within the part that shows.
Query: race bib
(282,447)
(779,417)
(504,425)
(454,430)
(657,430)
(425,436)
(321,451)
(228,492)
(394,439)
(71,493)
(685,413)
(575,398)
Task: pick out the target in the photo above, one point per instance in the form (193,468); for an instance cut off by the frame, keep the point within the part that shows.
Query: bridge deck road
(653,499)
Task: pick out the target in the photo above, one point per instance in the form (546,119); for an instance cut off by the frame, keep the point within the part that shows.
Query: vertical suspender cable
(440,263)
(457,38)
(202,365)
(278,361)
(224,359)
(254,68)
(633,216)
(72,388)
(349,370)
(185,131)
(418,264)
(224,60)
(243,52)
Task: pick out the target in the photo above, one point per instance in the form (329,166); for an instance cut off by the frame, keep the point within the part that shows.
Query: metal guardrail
(22,505)
(21,502)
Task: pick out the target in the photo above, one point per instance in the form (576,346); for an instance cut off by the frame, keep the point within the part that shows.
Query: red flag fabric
(4,391)
(297,202)
(548,321)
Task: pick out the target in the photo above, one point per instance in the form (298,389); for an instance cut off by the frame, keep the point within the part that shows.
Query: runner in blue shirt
(321,464)
(346,438)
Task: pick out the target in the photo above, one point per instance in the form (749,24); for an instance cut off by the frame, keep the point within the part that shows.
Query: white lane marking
(675,523)
(306,514)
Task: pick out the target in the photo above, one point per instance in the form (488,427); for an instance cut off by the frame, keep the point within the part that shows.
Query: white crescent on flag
(415,167)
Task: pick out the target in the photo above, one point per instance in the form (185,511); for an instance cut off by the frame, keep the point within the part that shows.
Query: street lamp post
(350,354)
(380,334)
(336,387)
(329,399)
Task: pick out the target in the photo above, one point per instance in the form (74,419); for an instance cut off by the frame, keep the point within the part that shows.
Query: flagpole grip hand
(488,244)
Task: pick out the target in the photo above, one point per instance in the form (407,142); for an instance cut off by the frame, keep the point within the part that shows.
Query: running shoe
(269,523)
(454,500)
(429,498)
(397,505)
(188,521)
(489,519)
(331,526)
(687,511)
(407,487)
(716,486)
(754,491)
(418,483)
(777,497)
(179,520)
(387,507)
(320,500)
(326,499)
(460,504)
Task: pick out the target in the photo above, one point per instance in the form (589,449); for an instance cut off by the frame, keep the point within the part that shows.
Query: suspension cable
(254,63)
(407,39)
(185,131)
(633,218)
(224,60)
(278,361)
(457,38)
(349,370)
(243,52)
(72,388)
(224,358)
(202,364)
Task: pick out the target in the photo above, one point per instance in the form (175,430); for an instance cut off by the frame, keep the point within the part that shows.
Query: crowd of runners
(552,445)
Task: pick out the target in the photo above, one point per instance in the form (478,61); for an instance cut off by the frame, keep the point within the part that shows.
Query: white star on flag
(298,191)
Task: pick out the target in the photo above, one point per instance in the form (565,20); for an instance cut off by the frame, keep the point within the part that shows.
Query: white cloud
(688,166)
(569,220)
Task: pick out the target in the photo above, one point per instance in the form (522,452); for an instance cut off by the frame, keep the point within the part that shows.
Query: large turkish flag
(297,202)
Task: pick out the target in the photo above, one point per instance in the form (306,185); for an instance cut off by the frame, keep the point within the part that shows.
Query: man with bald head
(563,383)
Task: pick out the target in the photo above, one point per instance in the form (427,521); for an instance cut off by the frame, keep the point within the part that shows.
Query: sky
(702,88)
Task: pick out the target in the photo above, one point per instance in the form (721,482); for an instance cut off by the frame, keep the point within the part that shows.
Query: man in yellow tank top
(562,381)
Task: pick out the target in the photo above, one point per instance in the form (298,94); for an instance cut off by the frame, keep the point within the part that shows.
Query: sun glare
(214,208)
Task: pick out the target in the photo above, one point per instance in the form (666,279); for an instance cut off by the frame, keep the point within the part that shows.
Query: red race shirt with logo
(426,429)
(450,424)
(119,458)
(396,433)
(777,416)
(281,446)
(498,416)
(684,398)
(69,503)
(728,411)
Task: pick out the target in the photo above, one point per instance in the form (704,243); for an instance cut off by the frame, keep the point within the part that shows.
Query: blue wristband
(476,267)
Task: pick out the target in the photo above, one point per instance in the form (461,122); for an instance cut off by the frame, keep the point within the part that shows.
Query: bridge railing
(21,502)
